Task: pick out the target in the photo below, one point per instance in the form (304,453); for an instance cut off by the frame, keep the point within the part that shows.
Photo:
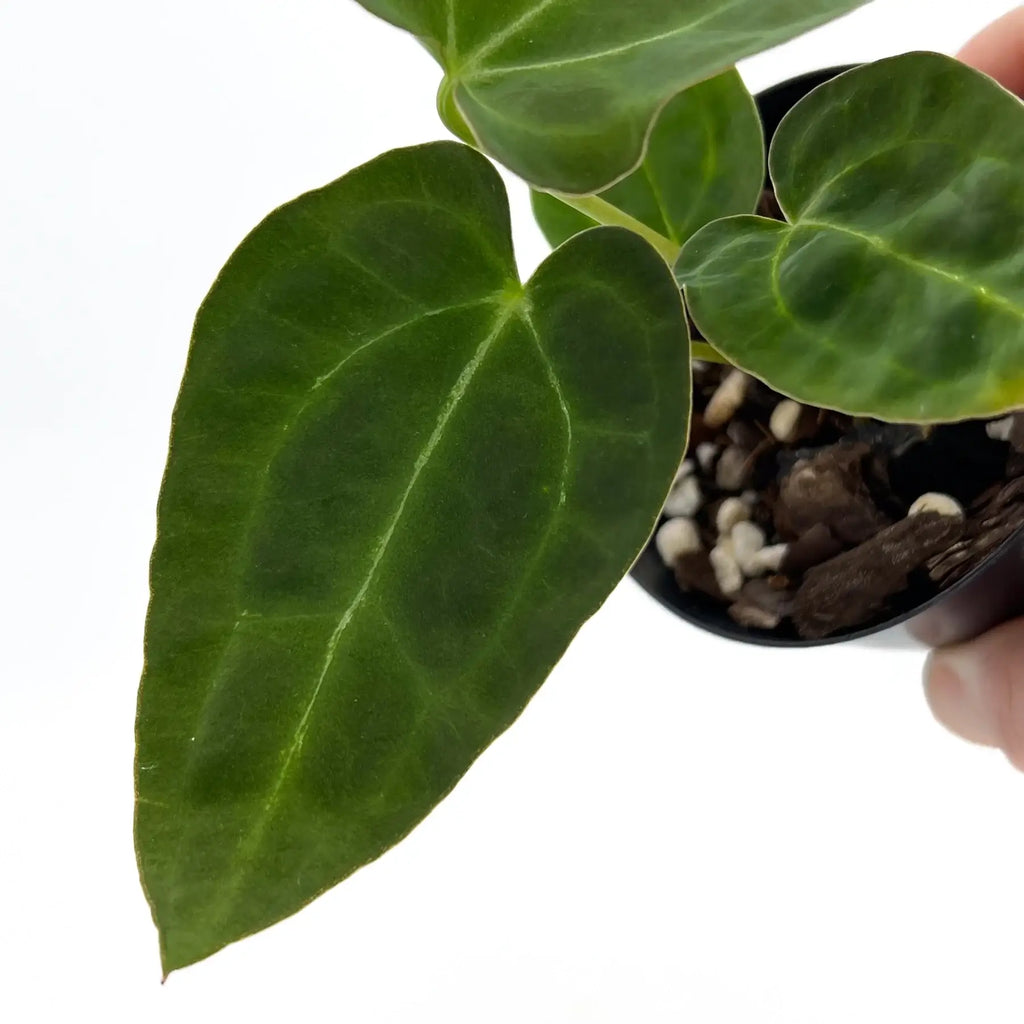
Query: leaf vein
(324,377)
(820,337)
(450,30)
(659,201)
(452,402)
(612,51)
(984,294)
(556,386)
(502,37)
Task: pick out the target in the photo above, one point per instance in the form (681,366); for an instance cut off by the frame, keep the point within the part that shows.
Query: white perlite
(686,468)
(706,454)
(942,504)
(676,538)
(730,512)
(747,540)
(785,420)
(685,498)
(769,559)
(732,470)
(1000,430)
(727,570)
(727,399)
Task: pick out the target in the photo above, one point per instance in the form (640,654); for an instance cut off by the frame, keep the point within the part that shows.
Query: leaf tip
(181,948)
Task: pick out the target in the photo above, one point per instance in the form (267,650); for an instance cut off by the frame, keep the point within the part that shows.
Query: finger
(977,689)
(999,51)
(946,623)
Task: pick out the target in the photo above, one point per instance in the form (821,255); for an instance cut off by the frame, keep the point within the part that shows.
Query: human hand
(976,689)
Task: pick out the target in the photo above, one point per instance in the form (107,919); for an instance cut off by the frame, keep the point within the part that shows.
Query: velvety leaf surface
(898,289)
(704,160)
(399,482)
(563,92)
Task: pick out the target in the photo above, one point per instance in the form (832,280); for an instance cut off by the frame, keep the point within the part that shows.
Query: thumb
(977,689)
(999,51)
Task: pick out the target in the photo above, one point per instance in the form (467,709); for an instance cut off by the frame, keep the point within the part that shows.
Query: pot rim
(698,610)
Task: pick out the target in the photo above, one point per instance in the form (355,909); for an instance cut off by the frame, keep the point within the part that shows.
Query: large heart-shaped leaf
(898,289)
(399,481)
(563,92)
(704,160)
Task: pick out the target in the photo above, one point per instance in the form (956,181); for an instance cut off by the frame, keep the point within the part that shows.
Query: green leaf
(563,92)
(704,160)
(399,482)
(898,289)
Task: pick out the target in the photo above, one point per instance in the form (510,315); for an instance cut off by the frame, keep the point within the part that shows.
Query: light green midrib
(818,337)
(468,68)
(299,411)
(262,476)
(430,314)
(246,855)
(451,44)
(496,633)
(472,71)
(556,387)
(659,201)
(709,164)
(500,38)
(984,294)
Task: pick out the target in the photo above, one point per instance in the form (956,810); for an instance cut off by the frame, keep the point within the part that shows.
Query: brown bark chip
(852,587)
(829,489)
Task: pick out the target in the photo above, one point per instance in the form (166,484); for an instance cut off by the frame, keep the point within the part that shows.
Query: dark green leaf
(704,160)
(399,481)
(563,92)
(898,291)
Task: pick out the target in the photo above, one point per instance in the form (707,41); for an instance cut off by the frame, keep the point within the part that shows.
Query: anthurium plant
(400,478)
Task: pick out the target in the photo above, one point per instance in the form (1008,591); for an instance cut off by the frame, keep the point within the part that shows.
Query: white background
(677,829)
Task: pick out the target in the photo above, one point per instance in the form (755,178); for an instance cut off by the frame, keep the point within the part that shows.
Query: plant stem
(702,350)
(603,212)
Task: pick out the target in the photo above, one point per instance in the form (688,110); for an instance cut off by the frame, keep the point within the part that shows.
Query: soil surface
(808,520)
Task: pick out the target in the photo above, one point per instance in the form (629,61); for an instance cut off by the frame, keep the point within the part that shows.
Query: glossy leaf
(704,160)
(399,481)
(898,289)
(563,92)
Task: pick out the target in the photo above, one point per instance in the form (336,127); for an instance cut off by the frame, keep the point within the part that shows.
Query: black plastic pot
(992,593)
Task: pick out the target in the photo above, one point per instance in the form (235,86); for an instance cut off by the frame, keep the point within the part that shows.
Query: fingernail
(960,698)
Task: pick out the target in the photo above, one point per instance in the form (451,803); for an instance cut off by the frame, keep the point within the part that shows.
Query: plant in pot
(400,479)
